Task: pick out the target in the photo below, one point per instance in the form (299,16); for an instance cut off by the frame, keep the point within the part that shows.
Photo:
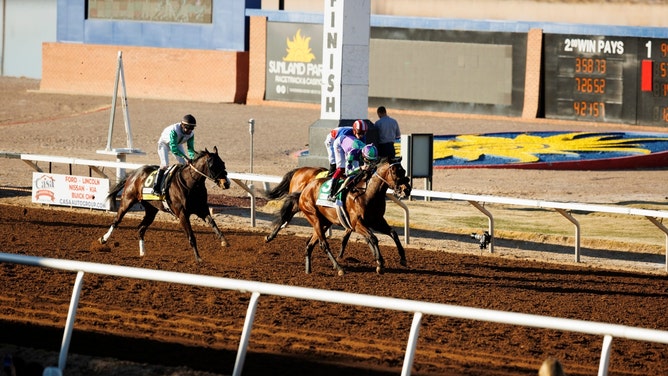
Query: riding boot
(332,169)
(333,190)
(157,187)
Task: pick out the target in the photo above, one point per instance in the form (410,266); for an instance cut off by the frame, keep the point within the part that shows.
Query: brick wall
(532,78)
(258,60)
(153,73)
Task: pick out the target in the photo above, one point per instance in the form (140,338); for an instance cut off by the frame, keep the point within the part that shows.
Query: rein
(205,175)
(201,173)
(375,173)
(183,182)
(382,179)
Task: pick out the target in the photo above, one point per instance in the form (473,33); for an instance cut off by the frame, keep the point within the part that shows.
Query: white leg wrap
(106,236)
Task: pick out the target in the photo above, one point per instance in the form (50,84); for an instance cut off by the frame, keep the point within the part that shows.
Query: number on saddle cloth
(150,180)
(326,186)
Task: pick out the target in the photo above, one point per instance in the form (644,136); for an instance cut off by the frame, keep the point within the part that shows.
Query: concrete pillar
(345,73)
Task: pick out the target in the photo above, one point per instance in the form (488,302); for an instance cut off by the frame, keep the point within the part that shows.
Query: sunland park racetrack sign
(70,190)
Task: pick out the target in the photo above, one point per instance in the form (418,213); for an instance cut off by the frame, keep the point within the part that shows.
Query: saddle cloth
(147,188)
(323,194)
(327,186)
(337,204)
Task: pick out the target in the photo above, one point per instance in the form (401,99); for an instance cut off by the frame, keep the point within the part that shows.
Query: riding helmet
(189,120)
(360,126)
(370,153)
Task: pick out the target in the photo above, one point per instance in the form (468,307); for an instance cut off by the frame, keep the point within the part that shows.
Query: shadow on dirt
(218,361)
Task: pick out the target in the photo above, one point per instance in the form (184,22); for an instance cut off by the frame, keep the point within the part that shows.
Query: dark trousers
(386,150)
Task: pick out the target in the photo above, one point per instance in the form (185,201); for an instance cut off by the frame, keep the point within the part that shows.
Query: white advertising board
(70,190)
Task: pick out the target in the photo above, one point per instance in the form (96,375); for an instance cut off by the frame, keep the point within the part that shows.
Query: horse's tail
(289,209)
(283,188)
(117,188)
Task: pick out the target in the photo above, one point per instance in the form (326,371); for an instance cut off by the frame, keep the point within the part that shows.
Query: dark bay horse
(377,204)
(186,195)
(361,207)
(294,181)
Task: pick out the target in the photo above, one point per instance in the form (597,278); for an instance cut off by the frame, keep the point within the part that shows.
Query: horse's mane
(199,154)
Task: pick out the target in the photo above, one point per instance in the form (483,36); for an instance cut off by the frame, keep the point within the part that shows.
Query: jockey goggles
(188,127)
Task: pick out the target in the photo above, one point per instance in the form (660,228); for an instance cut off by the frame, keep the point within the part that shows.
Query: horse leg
(274,232)
(315,238)
(209,220)
(328,252)
(125,205)
(400,248)
(383,227)
(324,245)
(309,250)
(185,224)
(149,215)
(205,214)
(372,241)
(344,242)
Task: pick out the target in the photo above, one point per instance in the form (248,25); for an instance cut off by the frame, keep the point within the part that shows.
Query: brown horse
(294,181)
(185,195)
(360,208)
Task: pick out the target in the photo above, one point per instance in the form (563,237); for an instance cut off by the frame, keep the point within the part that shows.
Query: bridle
(205,175)
(392,186)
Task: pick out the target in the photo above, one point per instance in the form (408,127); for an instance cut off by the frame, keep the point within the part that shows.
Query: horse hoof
(224,243)
(379,270)
(268,238)
(403,263)
(101,240)
(341,272)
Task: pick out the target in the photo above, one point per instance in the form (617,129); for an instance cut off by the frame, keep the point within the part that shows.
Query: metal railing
(562,208)
(240,179)
(256,289)
(478,201)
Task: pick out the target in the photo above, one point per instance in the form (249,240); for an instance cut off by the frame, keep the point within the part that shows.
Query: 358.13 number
(590,109)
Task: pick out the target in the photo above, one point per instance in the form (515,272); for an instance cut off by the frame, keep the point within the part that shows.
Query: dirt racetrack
(197,330)
(141,328)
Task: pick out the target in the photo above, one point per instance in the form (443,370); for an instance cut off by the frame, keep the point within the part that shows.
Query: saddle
(147,188)
(326,187)
(322,174)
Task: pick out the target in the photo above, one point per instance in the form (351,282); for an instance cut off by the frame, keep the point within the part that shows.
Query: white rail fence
(563,208)
(241,179)
(256,289)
